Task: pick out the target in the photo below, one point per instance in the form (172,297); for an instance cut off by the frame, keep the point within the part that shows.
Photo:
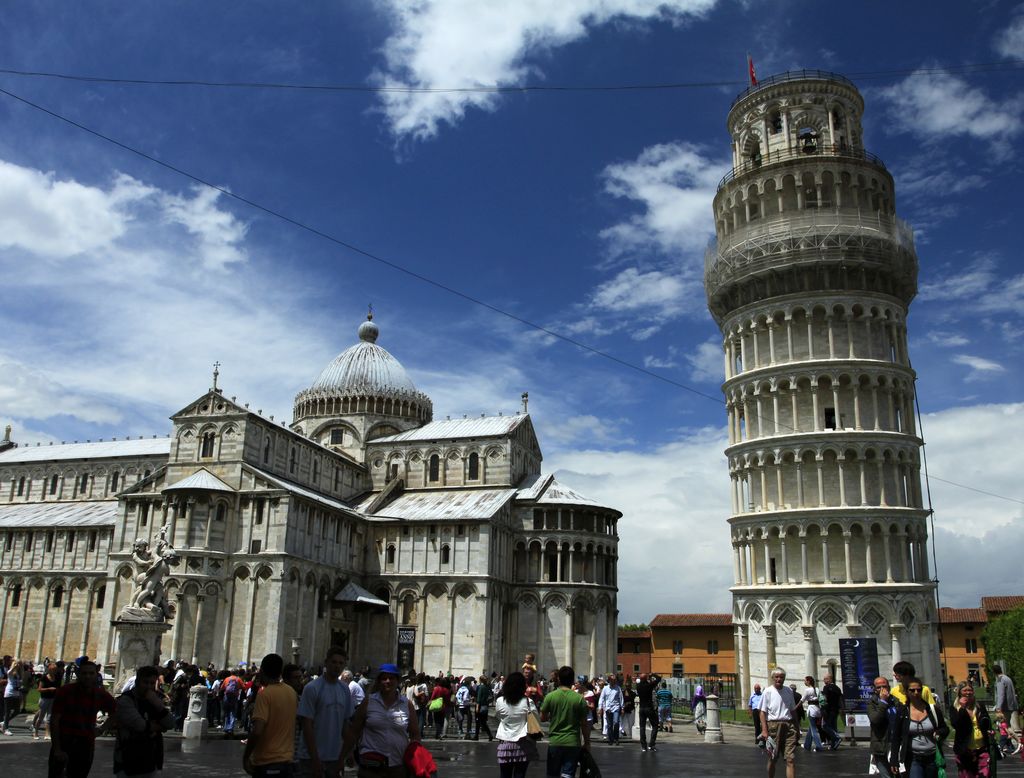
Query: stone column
(784,572)
(195,724)
(808,631)
(769,642)
(895,630)
(824,556)
(713,731)
(200,599)
(62,635)
(42,625)
(847,535)
(89,603)
(803,559)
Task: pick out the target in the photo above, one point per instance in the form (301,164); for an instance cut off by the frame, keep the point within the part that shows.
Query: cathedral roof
(96,450)
(95,513)
(201,479)
(365,369)
(545,490)
(441,504)
(449,429)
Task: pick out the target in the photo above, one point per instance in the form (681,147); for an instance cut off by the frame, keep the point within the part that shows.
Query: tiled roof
(692,620)
(439,504)
(962,615)
(102,449)
(634,633)
(1001,603)
(96,513)
(452,429)
(201,479)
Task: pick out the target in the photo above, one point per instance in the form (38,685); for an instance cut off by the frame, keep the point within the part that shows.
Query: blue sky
(586,212)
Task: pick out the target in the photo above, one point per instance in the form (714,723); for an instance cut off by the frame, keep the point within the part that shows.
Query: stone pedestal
(713,733)
(138,645)
(196,723)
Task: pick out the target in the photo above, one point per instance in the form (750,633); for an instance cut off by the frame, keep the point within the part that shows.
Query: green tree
(632,627)
(1003,638)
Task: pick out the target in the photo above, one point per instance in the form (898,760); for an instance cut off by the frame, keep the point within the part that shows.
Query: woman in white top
(809,699)
(384,724)
(515,749)
(12,694)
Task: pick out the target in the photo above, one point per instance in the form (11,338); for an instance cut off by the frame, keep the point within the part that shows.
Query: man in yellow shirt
(271,745)
(904,672)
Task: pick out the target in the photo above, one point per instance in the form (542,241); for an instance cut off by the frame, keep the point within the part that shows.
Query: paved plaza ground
(681,753)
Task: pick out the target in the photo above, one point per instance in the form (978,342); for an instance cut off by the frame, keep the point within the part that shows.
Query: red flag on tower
(750,69)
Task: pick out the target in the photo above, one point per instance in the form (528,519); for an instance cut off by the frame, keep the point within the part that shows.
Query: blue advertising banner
(858,660)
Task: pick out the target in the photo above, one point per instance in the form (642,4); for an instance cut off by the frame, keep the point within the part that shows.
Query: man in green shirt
(569,729)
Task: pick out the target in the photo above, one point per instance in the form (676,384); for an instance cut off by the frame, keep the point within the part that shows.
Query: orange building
(692,644)
(960,647)
(634,652)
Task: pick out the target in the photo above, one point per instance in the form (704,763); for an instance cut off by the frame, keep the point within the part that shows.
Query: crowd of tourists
(909,724)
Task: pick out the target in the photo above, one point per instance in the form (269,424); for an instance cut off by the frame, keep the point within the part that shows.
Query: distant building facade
(810,279)
(365,523)
(692,644)
(634,649)
(962,651)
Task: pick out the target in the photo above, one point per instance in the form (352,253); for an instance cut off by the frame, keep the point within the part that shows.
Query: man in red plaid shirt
(73,723)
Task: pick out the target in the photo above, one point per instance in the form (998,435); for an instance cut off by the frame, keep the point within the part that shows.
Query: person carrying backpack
(231,689)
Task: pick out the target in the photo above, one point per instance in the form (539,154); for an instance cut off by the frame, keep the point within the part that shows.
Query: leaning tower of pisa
(810,279)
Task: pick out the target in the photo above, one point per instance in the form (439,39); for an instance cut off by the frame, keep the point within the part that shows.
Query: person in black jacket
(883,711)
(919,731)
(142,718)
(972,728)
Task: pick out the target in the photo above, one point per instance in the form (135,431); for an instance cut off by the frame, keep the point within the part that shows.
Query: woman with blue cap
(384,724)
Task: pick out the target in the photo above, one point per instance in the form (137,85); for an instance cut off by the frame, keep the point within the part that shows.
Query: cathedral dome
(365,369)
(364,378)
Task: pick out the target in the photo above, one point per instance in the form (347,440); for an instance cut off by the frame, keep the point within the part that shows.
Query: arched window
(21,486)
(435,467)
(84,484)
(222,512)
(58,596)
(16,595)
(294,461)
(259,511)
(446,554)
(206,449)
(316,471)
(92,540)
(474,467)
(101,596)
(146,474)
(54,479)
(115,477)
(144,514)
(69,544)
(390,558)
(266,451)
(49,541)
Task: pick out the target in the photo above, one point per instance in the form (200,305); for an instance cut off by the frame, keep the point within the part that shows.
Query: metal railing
(802,151)
(793,75)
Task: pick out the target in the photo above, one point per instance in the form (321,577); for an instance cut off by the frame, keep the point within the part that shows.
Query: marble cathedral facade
(439,544)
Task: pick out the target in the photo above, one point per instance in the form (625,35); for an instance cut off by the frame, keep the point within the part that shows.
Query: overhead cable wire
(980,67)
(395,265)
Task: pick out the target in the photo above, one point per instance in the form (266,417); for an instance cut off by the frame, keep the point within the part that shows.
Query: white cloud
(218,232)
(60,219)
(981,368)
(1010,40)
(657,293)
(707,362)
(145,291)
(675,491)
(975,279)
(940,105)
(460,44)
(674,183)
(948,339)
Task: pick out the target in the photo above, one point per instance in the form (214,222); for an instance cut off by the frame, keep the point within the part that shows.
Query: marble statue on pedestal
(151,567)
